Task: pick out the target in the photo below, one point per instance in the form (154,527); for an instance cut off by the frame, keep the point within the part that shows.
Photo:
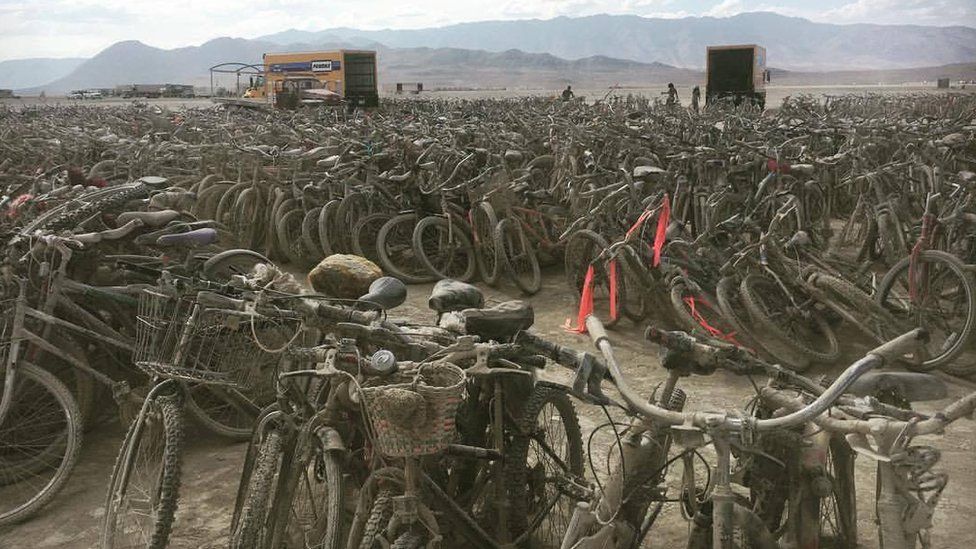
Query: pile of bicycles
(139,269)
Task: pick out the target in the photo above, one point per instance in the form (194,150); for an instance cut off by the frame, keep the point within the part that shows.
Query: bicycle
(723,520)
(197,337)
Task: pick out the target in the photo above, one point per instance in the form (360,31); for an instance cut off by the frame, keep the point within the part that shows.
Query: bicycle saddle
(199,237)
(149,219)
(912,386)
(454,295)
(384,293)
(500,322)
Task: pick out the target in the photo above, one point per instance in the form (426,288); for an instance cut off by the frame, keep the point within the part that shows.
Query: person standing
(672,95)
(568,93)
(695,98)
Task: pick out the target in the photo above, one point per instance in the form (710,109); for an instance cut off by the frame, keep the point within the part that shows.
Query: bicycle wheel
(632,284)
(483,223)
(365,233)
(730,304)
(548,447)
(443,248)
(310,233)
(289,231)
(221,267)
(770,308)
(315,517)
(39,442)
(583,249)
(516,256)
(374,530)
(943,303)
(325,227)
(352,208)
(251,530)
(144,489)
(698,313)
(857,307)
(394,246)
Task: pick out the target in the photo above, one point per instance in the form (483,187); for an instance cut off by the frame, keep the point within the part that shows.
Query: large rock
(344,276)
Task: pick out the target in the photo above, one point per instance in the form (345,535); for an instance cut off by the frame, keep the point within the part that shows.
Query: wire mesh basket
(412,414)
(179,338)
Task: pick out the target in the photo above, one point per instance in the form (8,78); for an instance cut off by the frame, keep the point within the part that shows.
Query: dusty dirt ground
(212,466)
(774,98)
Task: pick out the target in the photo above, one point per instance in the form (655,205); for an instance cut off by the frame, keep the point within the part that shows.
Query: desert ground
(774,98)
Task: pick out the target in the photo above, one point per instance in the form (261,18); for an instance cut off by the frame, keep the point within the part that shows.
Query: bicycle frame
(21,335)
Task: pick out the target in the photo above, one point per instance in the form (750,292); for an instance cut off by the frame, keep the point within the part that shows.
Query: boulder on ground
(344,276)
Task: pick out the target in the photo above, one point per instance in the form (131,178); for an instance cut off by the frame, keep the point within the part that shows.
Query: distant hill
(134,62)
(792,42)
(26,73)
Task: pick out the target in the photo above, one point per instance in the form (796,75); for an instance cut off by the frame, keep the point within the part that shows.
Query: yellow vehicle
(349,73)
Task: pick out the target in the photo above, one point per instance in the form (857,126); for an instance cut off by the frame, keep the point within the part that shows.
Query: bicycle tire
(452,255)
(410,539)
(246,220)
(225,206)
(27,400)
(729,302)
(310,233)
(825,351)
(635,303)
(522,491)
(249,532)
(379,516)
(483,223)
(516,256)
(313,521)
(885,296)
(221,267)
(582,249)
(167,410)
(206,204)
(705,307)
(879,323)
(364,235)
(78,209)
(352,207)
(394,246)
(289,230)
(325,227)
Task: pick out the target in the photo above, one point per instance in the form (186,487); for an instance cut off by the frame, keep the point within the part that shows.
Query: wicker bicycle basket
(412,413)
(178,338)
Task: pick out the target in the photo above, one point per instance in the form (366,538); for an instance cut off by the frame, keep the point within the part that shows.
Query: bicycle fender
(331,439)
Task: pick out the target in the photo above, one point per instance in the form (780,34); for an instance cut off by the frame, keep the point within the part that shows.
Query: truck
(349,73)
(737,72)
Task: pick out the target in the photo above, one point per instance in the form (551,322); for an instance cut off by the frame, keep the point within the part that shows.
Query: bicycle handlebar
(824,400)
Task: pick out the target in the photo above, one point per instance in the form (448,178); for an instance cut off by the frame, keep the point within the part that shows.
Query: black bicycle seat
(501,322)
(454,295)
(384,293)
(911,386)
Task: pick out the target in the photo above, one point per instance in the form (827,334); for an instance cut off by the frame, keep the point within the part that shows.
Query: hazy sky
(81,28)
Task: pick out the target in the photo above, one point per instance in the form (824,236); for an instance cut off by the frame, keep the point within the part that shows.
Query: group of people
(672,93)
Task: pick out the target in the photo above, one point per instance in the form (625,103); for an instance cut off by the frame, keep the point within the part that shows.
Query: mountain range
(592,51)
(791,42)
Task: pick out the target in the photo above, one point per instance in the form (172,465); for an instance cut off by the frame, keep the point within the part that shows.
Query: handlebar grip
(901,345)
(217,301)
